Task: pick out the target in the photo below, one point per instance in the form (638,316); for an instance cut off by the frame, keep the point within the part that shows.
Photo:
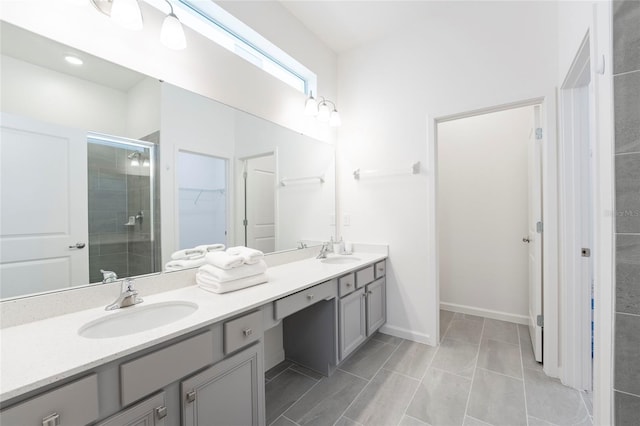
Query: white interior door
(44,220)
(535,235)
(260,225)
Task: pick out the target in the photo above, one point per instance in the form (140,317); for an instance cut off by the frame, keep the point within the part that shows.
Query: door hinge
(540,321)
(245,222)
(539,133)
(539,227)
(244,175)
(585,252)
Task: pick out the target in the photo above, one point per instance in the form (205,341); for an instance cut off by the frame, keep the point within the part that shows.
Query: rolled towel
(249,255)
(189,254)
(224,275)
(176,265)
(211,247)
(213,286)
(224,260)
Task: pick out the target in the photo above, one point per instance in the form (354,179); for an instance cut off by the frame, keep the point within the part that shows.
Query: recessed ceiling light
(73,60)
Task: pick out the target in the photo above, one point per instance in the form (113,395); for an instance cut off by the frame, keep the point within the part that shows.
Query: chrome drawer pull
(191,396)
(51,420)
(247,332)
(380,269)
(310,296)
(161,412)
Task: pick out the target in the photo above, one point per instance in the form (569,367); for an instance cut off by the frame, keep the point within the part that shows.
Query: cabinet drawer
(298,301)
(364,276)
(151,372)
(381,269)
(72,404)
(346,284)
(241,331)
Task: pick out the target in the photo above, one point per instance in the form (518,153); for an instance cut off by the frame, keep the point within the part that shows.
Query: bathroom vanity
(205,368)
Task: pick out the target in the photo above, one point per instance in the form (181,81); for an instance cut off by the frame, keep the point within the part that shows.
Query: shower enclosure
(124,222)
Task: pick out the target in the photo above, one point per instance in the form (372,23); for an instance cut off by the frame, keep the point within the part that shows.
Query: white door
(260,225)
(535,234)
(43,219)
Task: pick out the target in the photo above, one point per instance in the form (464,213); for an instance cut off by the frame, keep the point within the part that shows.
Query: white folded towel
(205,283)
(210,247)
(224,260)
(176,265)
(249,255)
(189,254)
(224,275)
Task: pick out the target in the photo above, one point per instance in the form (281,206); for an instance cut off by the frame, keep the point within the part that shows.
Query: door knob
(77,246)
(526,240)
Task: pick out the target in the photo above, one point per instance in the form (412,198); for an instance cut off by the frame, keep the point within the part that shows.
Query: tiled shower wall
(626,81)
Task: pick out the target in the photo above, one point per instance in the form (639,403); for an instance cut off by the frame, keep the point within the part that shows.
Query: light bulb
(323,112)
(310,107)
(73,60)
(172,33)
(334,119)
(127,14)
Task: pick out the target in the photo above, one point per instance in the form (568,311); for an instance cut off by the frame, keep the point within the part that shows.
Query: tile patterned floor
(483,373)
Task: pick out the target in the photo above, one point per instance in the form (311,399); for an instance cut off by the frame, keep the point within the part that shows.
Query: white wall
(203,67)
(482,213)
(143,109)
(58,98)
(465,56)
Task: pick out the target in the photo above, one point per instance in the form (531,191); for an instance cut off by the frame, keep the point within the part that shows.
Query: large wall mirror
(107,170)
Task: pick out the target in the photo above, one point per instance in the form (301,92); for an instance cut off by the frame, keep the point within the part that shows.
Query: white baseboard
(408,334)
(487,313)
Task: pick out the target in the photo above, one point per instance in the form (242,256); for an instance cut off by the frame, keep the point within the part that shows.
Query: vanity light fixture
(322,110)
(73,60)
(172,33)
(127,14)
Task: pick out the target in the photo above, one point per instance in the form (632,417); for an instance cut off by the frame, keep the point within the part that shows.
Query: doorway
(202,193)
(489,216)
(258,202)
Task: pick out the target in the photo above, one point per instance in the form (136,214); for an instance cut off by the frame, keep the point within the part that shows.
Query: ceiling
(33,48)
(344,25)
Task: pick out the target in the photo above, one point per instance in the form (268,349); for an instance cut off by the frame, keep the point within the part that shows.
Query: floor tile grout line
(473,376)
(306,375)
(285,369)
(584,403)
(424,374)
(292,421)
(301,396)
(453,374)
(521,379)
(402,374)
(478,420)
(626,393)
(524,383)
(368,382)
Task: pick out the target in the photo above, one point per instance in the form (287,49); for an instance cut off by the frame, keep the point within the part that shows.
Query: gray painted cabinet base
(352,322)
(230,393)
(150,412)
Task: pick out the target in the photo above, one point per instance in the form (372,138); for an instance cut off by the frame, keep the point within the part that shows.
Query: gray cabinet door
(230,393)
(352,322)
(376,305)
(150,412)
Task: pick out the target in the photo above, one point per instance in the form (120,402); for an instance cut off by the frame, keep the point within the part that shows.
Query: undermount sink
(340,260)
(136,319)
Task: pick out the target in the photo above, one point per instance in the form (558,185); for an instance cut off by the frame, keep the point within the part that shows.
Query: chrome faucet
(128,296)
(108,276)
(323,251)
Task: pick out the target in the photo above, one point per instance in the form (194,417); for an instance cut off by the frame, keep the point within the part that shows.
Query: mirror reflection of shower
(123,206)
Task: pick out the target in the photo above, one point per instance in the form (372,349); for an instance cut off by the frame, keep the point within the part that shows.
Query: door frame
(575,94)
(549,214)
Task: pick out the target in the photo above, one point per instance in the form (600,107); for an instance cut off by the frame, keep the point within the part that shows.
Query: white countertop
(43,352)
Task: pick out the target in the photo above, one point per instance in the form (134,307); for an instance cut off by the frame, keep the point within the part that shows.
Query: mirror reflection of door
(43,227)
(202,193)
(259,203)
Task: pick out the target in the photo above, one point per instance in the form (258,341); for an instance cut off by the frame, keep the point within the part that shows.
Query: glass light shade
(323,112)
(146,163)
(334,119)
(127,14)
(172,33)
(135,162)
(310,107)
